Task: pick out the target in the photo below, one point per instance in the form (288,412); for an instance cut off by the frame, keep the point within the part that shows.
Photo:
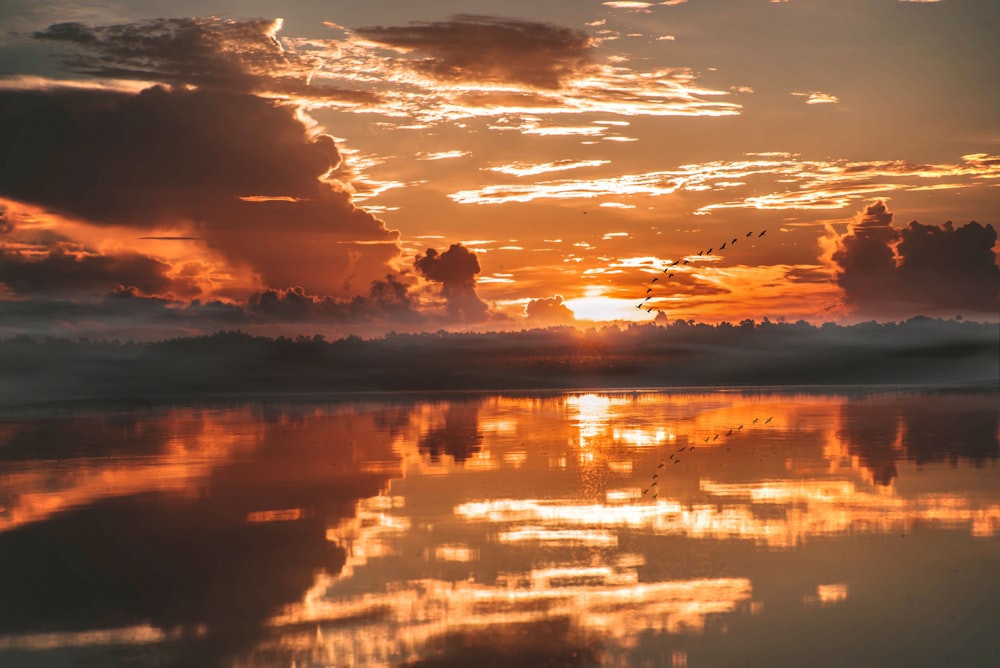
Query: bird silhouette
(670,276)
(685,261)
(709,251)
(656,495)
(648,298)
(706,439)
(656,475)
(730,432)
(649,310)
(655,279)
(756,420)
(715,437)
(749,234)
(660,466)
(762,234)
(733,241)
(648,290)
(740,428)
(723,246)
(768,420)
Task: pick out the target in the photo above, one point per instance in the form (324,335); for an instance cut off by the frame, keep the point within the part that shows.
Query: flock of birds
(673,265)
(653,490)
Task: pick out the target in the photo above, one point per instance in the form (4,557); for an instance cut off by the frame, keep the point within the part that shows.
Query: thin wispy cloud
(817,97)
(804,184)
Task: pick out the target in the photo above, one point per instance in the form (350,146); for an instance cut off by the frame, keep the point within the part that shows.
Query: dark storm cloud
(388,298)
(208,52)
(160,154)
(938,269)
(491,49)
(169,157)
(550,311)
(455,270)
(67,270)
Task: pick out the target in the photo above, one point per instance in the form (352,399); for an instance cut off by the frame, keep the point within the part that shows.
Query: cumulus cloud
(386,299)
(491,49)
(455,269)
(243,173)
(549,311)
(920,268)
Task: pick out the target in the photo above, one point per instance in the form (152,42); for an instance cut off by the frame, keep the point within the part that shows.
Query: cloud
(211,53)
(66,269)
(386,299)
(455,270)
(533,169)
(491,50)
(816,97)
(549,311)
(240,172)
(815,184)
(918,269)
(480,66)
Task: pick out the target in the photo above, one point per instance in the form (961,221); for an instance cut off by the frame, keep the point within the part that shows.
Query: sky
(181,167)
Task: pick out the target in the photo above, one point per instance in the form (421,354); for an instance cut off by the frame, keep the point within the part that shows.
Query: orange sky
(293,172)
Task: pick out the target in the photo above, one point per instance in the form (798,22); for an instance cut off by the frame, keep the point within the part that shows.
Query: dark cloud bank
(887,271)
(917,351)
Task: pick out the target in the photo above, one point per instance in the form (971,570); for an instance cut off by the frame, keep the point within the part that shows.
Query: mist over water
(625,528)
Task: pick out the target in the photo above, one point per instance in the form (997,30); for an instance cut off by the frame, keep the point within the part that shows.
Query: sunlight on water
(626,528)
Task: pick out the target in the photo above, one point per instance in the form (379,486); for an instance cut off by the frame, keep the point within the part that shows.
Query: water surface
(716,528)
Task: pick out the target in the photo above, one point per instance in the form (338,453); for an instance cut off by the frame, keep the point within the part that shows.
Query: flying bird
(715,437)
(670,276)
(649,310)
(648,290)
(655,279)
(656,475)
(749,234)
(730,432)
(709,251)
(756,420)
(733,241)
(723,246)
(768,420)
(648,298)
(660,466)
(762,234)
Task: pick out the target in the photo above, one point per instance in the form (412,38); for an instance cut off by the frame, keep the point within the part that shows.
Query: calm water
(782,530)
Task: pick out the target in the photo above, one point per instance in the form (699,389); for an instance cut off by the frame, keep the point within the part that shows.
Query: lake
(682,529)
